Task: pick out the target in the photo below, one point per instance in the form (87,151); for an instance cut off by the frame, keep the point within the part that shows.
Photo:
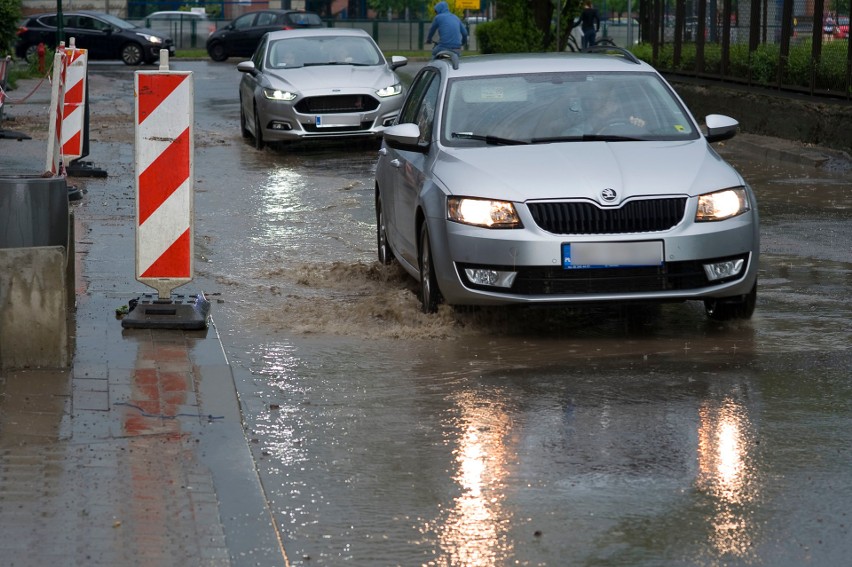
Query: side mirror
(247,67)
(398,61)
(404,137)
(720,127)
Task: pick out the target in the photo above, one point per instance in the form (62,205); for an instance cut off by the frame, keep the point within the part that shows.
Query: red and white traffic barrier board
(164,178)
(74,107)
(57,94)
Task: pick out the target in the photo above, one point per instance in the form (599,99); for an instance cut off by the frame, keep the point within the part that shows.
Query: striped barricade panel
(164,179)
(74,107)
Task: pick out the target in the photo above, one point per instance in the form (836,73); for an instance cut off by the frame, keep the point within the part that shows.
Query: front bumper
(535,257)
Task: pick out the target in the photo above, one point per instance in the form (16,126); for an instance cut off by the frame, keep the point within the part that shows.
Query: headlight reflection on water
(281,197)
(474,532)
(725,449)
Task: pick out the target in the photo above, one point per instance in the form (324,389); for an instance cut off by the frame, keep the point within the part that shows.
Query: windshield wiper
(491,140)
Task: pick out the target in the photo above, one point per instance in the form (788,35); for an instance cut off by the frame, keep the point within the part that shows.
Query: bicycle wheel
(606,41)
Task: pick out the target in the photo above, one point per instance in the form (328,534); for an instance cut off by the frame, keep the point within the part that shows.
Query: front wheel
(384,251)
(243,128)
(217,52)
(258,135)
(430,295)
(132,54)
(738,307)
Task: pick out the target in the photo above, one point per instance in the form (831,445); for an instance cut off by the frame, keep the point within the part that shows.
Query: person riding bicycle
(590,24)
(452,33)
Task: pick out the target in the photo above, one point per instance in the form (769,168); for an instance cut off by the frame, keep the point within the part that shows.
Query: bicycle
(575,47)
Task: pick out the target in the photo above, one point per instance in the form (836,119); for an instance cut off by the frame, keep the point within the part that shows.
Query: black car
(104,36)
(242,36)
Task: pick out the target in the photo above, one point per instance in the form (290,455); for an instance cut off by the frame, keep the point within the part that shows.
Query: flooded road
(384,436)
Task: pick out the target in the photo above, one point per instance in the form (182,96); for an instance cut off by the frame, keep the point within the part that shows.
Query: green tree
(10,14)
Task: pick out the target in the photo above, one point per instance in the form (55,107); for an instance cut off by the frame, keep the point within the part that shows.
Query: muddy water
(529,437)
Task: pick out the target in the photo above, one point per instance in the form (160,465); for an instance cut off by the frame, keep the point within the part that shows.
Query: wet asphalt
(321,411)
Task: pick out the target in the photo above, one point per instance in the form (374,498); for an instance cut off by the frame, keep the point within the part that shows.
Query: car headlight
(390,91)
(721,205)
(151,38)
(274,94)
(483,212)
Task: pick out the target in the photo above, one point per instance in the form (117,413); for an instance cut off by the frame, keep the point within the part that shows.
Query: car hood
(330,77)
(584,169)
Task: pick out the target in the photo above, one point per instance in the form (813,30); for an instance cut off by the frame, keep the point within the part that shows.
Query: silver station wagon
(563,178)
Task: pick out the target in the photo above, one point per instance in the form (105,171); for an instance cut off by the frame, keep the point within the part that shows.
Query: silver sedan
(563,178)
(318,83)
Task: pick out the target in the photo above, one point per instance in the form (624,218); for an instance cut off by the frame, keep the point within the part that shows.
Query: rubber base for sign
(12,135)
(79,168)
(182,312)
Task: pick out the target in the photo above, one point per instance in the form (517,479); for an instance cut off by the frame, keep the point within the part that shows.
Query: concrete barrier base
(33,308)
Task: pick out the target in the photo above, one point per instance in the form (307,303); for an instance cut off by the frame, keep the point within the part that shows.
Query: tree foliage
(528,26)
(10,14)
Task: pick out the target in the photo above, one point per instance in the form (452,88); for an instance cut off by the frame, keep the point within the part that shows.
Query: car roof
(75,13)
(504,64)
(177,13)
(316,32)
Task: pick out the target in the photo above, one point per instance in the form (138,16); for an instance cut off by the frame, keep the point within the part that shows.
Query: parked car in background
(841,30)
(104,36)
(563,178)
(318,83)
(187,29)
(241,37)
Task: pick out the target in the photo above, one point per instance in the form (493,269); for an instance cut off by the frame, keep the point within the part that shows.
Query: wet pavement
(374,435)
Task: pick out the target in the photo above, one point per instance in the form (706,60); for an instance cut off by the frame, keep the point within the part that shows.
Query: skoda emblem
(609,195)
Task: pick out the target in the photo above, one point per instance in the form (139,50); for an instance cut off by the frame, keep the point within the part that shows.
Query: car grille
(671,276)
(645,215)
(337,104)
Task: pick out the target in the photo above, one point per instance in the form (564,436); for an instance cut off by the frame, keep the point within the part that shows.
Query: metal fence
(796,45)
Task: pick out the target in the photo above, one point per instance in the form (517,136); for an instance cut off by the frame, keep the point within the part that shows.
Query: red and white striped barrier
(164,178)
(74,106)
(54,162)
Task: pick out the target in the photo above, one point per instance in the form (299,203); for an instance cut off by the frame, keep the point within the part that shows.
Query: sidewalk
(137,454)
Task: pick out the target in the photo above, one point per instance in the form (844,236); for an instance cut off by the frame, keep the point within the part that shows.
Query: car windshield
(308,51)
(563,107)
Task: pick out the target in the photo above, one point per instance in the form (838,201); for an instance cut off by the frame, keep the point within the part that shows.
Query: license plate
(337,120)
(584,255)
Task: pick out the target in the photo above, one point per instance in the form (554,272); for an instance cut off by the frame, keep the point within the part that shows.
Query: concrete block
(33,308)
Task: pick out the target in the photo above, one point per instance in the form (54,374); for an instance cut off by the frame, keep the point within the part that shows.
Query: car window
(421,83)
(303,19)
(49,21)
(244,21)
(265,19)
(425,118)
(257,56)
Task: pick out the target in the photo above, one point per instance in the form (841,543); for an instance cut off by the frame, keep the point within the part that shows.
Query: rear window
(304,19)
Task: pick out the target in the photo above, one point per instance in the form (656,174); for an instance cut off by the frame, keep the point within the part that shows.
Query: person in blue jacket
(452,33)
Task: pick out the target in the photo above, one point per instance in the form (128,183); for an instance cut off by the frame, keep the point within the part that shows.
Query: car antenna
(451,55)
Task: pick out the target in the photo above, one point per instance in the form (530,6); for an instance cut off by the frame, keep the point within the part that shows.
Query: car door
(408,166)
(94,35)
(241,40)
(264,22)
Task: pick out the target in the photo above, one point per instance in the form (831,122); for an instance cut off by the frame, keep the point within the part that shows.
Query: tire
(384,251)
(430,294)
(132,54)
(243,129)
(606,42)
(217,52)
(258,133)
(31,54)
(728,308)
